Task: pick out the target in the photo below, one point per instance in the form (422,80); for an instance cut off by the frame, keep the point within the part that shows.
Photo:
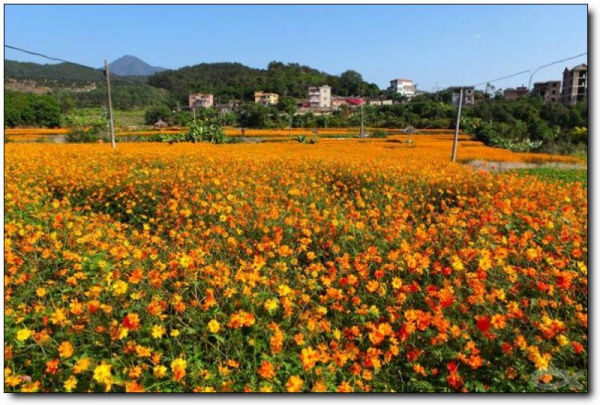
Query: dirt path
(496,166)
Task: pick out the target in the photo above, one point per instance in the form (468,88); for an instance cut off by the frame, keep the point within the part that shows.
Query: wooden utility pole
(110,111)
(457,126)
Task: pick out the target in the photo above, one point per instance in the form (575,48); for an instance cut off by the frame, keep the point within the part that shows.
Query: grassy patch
(556,175)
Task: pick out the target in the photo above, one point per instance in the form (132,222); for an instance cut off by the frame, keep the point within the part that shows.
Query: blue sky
(434,45)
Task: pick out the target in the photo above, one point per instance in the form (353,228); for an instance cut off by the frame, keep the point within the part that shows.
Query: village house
(319,97)
(513,94)
(266,99)
(549,91)
(402,87)
(468,95)
(198,100)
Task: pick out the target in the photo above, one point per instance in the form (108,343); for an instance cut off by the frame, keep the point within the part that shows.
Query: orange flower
(178,367)
(294,384)
(52,366)
(345,387)
(309,358)
(131,321)
(65,350)
(266,370)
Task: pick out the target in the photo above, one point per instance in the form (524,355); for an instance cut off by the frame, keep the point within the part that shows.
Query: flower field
(344,266)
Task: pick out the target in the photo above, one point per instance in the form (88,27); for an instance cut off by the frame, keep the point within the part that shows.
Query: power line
(502,78)
(529,71)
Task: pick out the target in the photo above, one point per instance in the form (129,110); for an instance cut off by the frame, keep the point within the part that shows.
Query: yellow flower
(284,290)
(159,371)
(158,331)
(65,350)
(59,316)
(562,340)
(214,326)
(457,264)
(23,334)
(119,288)
(271,304)
(70,383)
(102,374)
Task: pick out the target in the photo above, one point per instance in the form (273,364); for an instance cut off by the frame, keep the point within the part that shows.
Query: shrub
(379,133)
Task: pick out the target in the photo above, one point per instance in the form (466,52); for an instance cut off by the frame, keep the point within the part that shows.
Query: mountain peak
(129,65)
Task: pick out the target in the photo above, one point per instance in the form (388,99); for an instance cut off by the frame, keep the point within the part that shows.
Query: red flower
(578,347)
(483,323)
(452,367)
(131,321)
(454,380)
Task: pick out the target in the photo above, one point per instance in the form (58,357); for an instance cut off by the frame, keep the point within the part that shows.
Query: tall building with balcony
(198,100)
(549,91)
(403,87)
(266,98)
(319,97)
(574,85)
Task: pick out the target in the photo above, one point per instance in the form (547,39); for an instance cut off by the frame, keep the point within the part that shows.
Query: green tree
(152,115)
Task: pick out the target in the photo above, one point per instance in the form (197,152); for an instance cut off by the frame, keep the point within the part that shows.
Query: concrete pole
(110,111)
(454,146)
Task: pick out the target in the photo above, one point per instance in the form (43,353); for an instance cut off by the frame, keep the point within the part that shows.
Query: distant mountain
(131,66)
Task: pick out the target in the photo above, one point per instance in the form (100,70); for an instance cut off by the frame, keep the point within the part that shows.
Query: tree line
(528,123)
(234,81)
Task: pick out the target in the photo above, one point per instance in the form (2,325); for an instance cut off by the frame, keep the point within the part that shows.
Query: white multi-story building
(404,87)
(319,97)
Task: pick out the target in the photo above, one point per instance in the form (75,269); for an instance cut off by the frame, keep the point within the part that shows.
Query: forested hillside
(228,81)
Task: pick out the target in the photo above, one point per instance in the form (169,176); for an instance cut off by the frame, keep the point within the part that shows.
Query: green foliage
(234,81)
(526,124)
(85,129)
(200,130)
(125,96)
(286,104)
(379,133)
(171,138)
(206,131)
(254,115)
(306,140)
(154,114)
(60,74)
(35,110)
(83,135)
(579,135)
(551,174)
